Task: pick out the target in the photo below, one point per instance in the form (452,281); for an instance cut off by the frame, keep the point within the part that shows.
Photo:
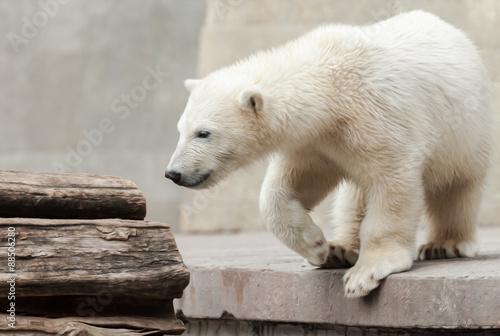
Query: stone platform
(250,284)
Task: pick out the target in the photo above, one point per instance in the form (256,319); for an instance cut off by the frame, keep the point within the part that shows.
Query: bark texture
(82,257)
(92,277)
(51,195)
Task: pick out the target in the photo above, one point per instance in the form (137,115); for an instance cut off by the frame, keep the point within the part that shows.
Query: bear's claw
(447,249)
(339,257)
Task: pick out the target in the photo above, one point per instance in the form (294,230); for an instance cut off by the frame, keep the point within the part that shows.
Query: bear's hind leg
(349,209)
(452,216)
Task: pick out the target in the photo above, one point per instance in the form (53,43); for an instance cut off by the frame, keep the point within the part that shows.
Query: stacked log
(51,195)
(105,271)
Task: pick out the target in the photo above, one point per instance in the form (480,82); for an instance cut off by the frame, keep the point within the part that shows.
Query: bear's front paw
(360,281)
(317,254)
(365,276)
(339,257)
(447,249)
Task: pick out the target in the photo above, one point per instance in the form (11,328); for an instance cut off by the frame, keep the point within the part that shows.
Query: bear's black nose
(173,175)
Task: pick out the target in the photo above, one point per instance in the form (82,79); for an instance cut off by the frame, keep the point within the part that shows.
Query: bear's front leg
(387,234)
(294,184)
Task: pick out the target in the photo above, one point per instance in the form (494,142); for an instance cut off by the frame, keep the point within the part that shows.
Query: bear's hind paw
(447,249)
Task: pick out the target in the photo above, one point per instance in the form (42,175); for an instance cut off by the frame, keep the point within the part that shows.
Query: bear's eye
(203,134)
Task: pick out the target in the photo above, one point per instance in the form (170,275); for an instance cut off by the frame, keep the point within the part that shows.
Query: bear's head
(220,131)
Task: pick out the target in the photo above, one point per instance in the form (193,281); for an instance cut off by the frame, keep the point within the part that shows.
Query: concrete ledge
(252,277)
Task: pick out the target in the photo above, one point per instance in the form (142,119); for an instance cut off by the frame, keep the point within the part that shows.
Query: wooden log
(107,257)
(92,326)
(51,195)
(104,304)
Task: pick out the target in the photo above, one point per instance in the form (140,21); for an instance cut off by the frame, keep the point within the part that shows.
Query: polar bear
(396,116)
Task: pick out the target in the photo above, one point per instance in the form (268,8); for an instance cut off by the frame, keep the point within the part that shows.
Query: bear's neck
(304,93)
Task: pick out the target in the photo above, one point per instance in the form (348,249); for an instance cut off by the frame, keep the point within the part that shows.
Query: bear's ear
(190,84)
(251,101)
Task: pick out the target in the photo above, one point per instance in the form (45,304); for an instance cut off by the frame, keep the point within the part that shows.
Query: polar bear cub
(398,120)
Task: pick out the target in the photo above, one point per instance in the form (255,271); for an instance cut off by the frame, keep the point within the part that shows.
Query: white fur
(399,112)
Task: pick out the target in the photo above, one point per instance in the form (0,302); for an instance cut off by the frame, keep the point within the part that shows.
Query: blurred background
(97,86)
(67,67)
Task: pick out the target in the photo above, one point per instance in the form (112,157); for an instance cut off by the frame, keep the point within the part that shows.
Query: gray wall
(79,69)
